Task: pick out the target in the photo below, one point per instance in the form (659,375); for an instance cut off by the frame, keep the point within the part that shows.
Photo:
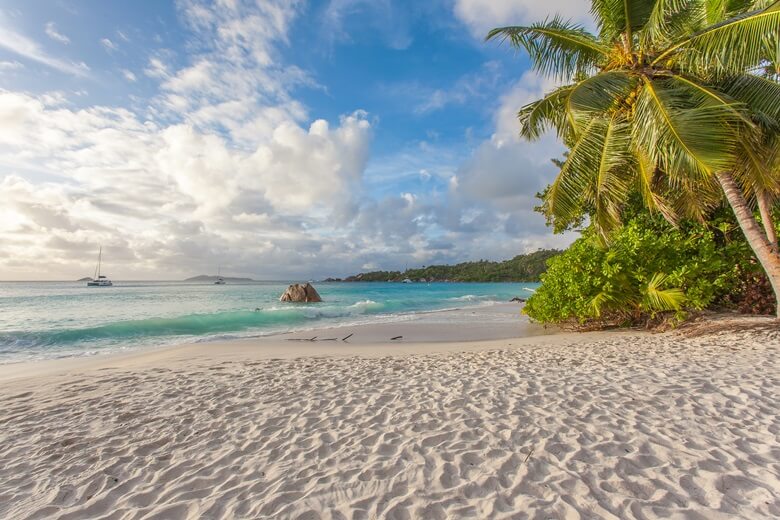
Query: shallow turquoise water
(56,319)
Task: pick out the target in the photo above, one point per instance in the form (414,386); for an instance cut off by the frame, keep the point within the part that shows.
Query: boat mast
(97,269)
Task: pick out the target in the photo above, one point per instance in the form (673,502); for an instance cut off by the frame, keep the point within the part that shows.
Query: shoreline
(443,330)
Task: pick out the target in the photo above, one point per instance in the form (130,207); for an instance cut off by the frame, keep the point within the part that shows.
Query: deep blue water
(55,319)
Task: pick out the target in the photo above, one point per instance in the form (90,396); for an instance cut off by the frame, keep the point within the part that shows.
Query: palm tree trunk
(758,241)
(765,208)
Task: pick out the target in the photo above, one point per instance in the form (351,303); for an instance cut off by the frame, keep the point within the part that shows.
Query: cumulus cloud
(141,188)
(223,165)
(484,208)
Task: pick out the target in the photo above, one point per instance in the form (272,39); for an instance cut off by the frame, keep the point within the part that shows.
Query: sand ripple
(644,427)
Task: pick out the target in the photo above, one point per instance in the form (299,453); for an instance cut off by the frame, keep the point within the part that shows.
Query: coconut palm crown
(675,99)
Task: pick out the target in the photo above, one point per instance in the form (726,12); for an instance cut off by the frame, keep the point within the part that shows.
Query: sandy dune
(623,426)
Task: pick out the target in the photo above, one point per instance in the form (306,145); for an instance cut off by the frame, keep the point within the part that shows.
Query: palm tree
(675,99)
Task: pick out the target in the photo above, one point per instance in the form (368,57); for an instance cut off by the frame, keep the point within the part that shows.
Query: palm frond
(753,167)
(612,177)
(668,19)
(731,47)
(657,299)
(595,172)
(546,113)
(706,95)
(615,17)
(598,95)
(601,302)
(761,95)
(681,133)
(557,48)
(646,185)
(564,197)
(693,199)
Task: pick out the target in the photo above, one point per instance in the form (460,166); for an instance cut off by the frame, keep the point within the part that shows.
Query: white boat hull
(100,283)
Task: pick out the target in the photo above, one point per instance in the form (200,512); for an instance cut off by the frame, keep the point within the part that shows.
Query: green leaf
(657,299)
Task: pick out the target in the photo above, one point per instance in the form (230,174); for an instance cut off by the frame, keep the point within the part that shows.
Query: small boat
(219,280)
(407,280)
(99,280)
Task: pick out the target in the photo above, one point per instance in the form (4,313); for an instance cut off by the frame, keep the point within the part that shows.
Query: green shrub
(648,268)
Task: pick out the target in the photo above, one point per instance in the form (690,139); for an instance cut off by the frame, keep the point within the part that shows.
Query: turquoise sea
(41,320)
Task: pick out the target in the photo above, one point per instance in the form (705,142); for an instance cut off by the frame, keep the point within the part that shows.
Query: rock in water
(301,293)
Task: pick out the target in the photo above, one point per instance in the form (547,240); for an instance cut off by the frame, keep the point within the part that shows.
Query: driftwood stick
(528,456)
(345,338)
(395,338)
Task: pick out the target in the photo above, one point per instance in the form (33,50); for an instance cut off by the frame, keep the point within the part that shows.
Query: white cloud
(225,163)
(30,49)
(424,99)
(387,21)
(482,15)
(108,44)
(148,190)
(51,32)
(129,76)
(10,65)
(156,68)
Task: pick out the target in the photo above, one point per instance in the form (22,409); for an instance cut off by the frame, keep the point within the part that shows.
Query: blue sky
(277,138)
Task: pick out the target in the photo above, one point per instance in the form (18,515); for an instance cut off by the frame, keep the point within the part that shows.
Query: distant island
(85,279)
(522,268)
(210,278)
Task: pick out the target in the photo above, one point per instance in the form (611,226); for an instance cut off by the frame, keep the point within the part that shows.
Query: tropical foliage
(650,268)
(676,100)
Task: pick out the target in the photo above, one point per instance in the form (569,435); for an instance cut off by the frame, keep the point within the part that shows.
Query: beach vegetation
(649,271)
(676,101)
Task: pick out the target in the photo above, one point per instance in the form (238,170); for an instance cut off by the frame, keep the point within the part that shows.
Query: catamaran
(220,280)
(99,280)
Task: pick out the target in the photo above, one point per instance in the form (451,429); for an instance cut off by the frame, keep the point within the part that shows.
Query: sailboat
(220,280)
(99,280)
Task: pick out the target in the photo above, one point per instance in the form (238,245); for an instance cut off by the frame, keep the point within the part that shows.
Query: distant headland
(212,278)
(522,268)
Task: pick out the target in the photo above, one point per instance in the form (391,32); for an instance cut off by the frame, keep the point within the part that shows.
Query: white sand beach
(598,425)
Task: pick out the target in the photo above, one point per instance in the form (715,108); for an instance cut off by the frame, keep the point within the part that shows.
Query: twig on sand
(529,455)
(395,338)
(345,338)
(305,339)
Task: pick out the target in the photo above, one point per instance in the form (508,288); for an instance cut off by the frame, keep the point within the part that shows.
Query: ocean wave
(467,298)
(277,317)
